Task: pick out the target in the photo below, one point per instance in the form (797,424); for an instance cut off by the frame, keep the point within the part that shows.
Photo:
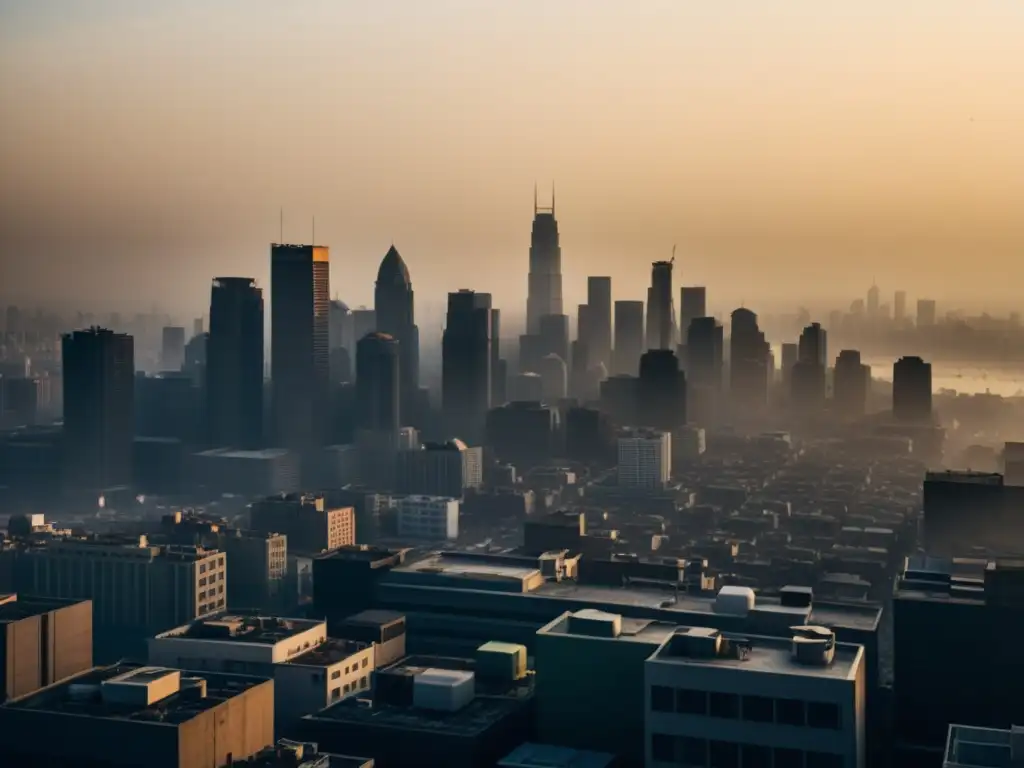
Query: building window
(824,760)
(691,702)
(335,694)
(756,756)
(726,705)
(823,715)
(758,709)
(366,662)
(790,712)
(663,748)
(788,758)
(362,682)
(724,754)
(335,674)
(693,751)
(346,688)
(662,699)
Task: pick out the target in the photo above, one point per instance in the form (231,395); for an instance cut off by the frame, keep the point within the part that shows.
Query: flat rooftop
(236,628)
(529,755)
(374,617)
(330,652)
(362,553)
(230,453)
(761,654)
(468,566)
(15,609)
(971,747)
(632,630)
(80,695)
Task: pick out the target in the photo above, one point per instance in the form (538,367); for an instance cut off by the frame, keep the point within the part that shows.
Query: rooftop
(703,646)
(230,453)
(631,630)
(460,565)
(363,553)
(375,617)
(327,653)
(14,609)
(971,747)
(232,628)
(80,695)
(529,755)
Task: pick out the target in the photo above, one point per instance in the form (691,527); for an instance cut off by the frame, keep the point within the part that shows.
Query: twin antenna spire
(536,207)
(281,228)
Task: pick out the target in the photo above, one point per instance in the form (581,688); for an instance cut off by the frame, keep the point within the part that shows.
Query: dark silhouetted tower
(99,408)
(629,337)
(499,366)
(899,307)
(544,290)
(378,384)
(809,372)
(599,299)
(661,391)
(660,317)
(393,303)
(912,390)
(873,301)
(704,351)
(851,383)
(554,335)
(234,364)
(172,349)
(299,345)
(748,360)
(693,303)
(466,364)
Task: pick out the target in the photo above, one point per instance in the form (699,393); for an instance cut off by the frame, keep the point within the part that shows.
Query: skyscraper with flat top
(693,303)
(629,337)
(299,345)
(599,299)
(466,364)
(544,290)
(99,408)
(234,364)
(660,317)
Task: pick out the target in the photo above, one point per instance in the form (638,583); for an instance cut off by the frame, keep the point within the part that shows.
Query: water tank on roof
(735,601)
(813,646)
(443,690)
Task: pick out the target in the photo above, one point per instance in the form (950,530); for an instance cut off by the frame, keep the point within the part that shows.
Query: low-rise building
(431,518)
(302,754)
(970,747)
(130,715)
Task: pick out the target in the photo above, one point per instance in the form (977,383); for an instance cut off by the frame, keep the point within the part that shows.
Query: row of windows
(703,753)
(755,709)
(211,606)
(337,693)
(337,673)
(211,593)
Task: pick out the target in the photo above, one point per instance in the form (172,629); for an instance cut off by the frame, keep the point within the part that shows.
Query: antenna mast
(281,234)
(314,232)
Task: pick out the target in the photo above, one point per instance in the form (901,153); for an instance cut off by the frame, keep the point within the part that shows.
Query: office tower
(531,350)
(429,518)
(310,525)
(523,433)
(629,337)
(693,303)
(554,334)
(554,378)
(619,398)
(704,350)
(299,340)
(544,290)
(748,360)
(364,321)
(790,356)
(393,303)
(259,567)
(499,367)
(440,469)
(378,362)
(645,459)
(99,408)
(851,382)
(526,387)
(466,364)
(808,382)
(873,301)
(197,326)
(599,299)
(661,391)
(586,327)
(579,374)
(925,313)
(813,347)
(899,307)
(234,364)
(589,436)
(172,348)
(341,327)
(660,315)
(912,390)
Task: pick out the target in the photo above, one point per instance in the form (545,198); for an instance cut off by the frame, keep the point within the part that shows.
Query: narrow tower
(544,291)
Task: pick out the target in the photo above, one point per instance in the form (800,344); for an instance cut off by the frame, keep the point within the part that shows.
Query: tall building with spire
(544,290)
(660,311)
(393,303)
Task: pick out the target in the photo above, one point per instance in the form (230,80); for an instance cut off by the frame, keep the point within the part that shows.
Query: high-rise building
(554,376)
(748,360)
(900,307)
(393,303)
(912,390)
(926,310)
(234,364)
(99,408)
(693,303)
(645,459)
(309,524)
(809,372)
(851,381)
(299,345)
(790,357)
(341,327)
(466,364)
(544,291)
(599,299)
(873,301)
(629,337)
(440,469)
(364,321)
(661,391)
(378,406)
(660,315)
(172,348)
(431,518)
(554,335)
(704,352)
(499,367)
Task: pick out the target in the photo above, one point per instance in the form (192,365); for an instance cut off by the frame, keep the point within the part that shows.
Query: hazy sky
(786,146)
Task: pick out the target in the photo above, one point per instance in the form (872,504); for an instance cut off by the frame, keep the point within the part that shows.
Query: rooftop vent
(735,601)
(796,597)
(813,646)
(708,643)
(590,621)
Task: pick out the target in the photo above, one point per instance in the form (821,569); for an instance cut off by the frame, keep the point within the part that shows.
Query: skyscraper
(899,307)
(499,367)
(378,385)
(172,348)
(599,299)
(873,301)
(393,302)
(704,352)
(693,303)
(808,375)
(661,391)
(554,334)
(466,364)
(851,382)
(912,390)
(660,317)
(544,290)
(926,311)
(629,337)
(234,364)
(748,361)
(299,345)
(99,408)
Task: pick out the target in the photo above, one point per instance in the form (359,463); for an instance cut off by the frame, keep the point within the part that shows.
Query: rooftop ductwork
(813,646)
